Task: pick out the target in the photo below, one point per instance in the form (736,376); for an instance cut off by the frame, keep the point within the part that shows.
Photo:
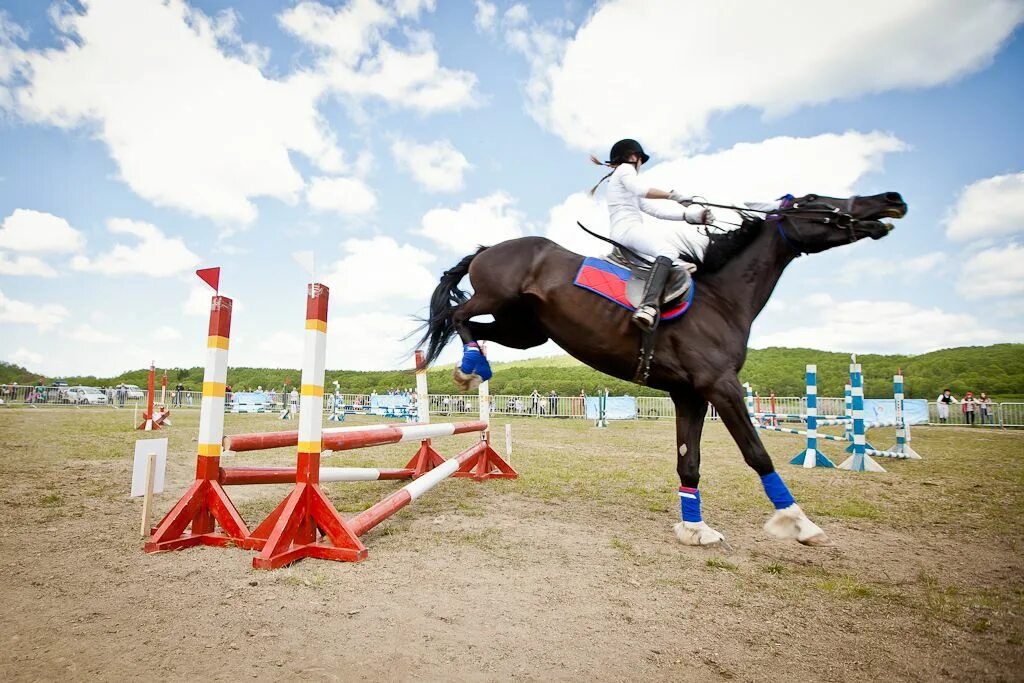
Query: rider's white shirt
(626,206)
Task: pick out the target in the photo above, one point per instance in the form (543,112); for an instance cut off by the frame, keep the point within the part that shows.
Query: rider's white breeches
(663,238)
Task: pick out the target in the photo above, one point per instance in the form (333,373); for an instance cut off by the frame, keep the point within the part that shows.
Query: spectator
(179,392)
(552,403)
(293,399)
(968,406)
(942,404)
(985,409)
(519,405)
(535,402)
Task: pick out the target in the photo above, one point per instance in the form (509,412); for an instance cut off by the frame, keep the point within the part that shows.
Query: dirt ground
(571,572)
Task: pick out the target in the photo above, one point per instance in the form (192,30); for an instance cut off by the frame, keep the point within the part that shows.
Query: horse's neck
(747,281)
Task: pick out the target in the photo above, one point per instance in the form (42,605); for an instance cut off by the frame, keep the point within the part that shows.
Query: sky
(143,139)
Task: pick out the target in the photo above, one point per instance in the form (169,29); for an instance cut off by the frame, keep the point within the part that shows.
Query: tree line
(997,370)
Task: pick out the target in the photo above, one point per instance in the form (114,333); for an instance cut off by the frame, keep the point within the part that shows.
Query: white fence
(999,415)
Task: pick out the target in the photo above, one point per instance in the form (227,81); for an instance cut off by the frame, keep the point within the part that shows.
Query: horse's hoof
(791,522)
(698,533)
(820,540)
(466,382)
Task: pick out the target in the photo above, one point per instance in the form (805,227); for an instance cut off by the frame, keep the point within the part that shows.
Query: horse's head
(814,223)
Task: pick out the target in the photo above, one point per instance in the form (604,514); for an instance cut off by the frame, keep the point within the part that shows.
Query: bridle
(807,211)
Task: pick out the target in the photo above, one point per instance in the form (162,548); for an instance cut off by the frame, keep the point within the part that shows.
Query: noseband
(811,213)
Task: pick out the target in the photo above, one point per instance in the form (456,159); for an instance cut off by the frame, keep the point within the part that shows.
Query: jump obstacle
(305,523)
(852,421)
(153,420)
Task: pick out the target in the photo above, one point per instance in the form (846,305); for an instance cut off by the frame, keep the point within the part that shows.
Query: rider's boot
(646,314)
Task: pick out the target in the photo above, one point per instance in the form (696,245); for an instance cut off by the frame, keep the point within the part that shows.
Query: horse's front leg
(789,521)
(690,411)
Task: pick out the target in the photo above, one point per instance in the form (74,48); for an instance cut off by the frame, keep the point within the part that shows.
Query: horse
(526,284)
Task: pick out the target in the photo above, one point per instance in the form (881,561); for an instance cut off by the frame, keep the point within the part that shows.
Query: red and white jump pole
(206,503)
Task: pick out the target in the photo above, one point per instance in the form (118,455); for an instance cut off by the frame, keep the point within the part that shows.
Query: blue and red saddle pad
(609,280)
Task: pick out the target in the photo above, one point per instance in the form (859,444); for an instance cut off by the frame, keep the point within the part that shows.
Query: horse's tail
(443,302)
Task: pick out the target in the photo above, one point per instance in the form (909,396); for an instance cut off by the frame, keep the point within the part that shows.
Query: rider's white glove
(683,199)
(698,215)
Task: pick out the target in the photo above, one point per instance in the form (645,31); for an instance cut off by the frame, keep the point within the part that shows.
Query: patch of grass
(773,568)
(847,587)
(717,563)
(981,625)
(851,508)
(53,499)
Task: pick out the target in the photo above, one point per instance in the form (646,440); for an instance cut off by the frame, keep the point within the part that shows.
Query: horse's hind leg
(474,368)
(690,411)
(789,521)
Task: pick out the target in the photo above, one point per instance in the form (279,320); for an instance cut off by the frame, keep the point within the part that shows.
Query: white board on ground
(143,447)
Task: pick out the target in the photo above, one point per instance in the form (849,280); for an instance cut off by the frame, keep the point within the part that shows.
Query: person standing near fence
(942,404)
(985,409)
(552,403)
(968,405)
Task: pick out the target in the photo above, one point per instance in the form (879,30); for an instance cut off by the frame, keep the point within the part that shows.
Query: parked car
(86,396)
(247,402)
(132,392)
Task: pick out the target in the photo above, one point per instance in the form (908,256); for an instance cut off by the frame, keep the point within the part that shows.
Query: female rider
(628,197)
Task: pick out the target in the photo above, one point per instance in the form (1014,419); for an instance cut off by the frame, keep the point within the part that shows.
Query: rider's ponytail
(594,160)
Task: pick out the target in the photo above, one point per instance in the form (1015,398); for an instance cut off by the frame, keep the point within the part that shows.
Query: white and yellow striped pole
(484,392)
(311,394)
(205,502)
(422,397)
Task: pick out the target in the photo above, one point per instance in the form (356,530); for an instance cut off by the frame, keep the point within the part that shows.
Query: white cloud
(821,322)
(827,164)
(591,212)
(186,115)
(43,316)
(25,358)
(517,14)
(197,303)
(485,15)
(992,273)
(487,221)
(38,231)
(155,254)
(379,270)
(356,61)
(373,341)
(438,166)
(90,335)
(988,208)
(345,196)
(674,58)
(25,265)
(166,333)
(893,266)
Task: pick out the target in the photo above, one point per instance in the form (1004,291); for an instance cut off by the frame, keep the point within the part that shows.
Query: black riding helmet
(623,148)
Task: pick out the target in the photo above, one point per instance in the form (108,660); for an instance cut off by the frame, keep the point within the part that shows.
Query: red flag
(210,276)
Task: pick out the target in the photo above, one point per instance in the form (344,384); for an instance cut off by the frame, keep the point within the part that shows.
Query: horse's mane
(725,245)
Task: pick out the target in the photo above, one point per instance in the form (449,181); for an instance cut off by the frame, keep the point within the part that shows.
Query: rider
(628,197)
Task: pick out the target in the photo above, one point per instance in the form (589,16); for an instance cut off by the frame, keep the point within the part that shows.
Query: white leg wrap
(791,522)
(697,533)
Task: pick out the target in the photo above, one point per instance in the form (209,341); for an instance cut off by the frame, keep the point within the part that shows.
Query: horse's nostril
(893,197)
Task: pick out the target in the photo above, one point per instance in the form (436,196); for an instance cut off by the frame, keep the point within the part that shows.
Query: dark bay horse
(527,285)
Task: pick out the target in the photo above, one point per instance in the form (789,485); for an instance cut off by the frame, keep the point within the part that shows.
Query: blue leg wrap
(474,362)
(777,491)
(689,501)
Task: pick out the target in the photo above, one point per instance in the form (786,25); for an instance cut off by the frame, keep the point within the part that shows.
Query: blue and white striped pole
(811,457)
(860,461)
(750,401)
(902,446)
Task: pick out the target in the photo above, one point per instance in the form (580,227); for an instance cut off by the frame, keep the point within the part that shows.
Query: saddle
(677,287)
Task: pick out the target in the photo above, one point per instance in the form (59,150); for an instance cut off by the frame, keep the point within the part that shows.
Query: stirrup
(645,316)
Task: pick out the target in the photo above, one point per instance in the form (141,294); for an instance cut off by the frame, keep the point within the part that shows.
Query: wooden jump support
(305,523)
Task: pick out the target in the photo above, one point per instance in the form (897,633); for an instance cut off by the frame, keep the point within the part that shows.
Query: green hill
(997,369)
